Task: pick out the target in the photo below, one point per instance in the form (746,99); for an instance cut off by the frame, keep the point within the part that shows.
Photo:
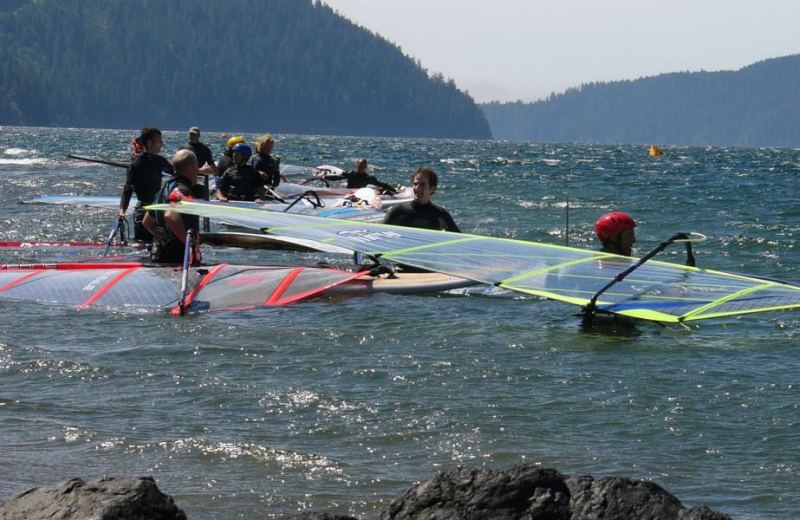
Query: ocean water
(342,405)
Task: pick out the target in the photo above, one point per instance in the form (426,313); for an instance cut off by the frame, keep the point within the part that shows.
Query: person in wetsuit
(615,232)
(204,157)
(268,166)
(225,160)
(359,178)
(421,212)
(169,228)
(144,179)
(241,181)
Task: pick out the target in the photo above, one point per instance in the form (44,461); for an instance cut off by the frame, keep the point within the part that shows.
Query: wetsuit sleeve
(449,223)
(395,216)
(127,190)
(341,177)
(274,172)
(382,185)
(166,167)
(224,183)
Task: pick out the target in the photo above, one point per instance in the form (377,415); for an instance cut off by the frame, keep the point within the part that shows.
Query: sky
(508,50)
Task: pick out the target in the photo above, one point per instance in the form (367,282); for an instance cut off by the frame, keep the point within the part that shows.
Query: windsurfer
(615,231)
(170,228)
(225,160)
(267,165)
(144,179)
(421,212)
(359,178)
(241,181)
(204,157)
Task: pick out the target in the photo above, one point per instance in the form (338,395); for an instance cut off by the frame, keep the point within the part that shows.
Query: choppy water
(341,406)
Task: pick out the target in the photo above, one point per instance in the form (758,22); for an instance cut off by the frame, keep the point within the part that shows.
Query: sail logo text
(367,236)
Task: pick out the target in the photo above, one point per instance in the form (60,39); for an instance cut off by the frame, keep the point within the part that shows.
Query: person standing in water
(144,179)
(169,228)
(421,212)
(615,232)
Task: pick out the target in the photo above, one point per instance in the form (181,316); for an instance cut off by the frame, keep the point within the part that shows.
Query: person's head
(361,166)
(424,182)
(233,141)
(185,163)
(265,143)
(194,134)
(241,153)
(151,140)
(615,231)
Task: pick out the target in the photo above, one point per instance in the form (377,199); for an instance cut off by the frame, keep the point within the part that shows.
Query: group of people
(245,176)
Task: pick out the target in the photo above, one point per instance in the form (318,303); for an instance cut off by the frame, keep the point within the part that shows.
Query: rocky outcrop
(521,492)
(531,492)
(104,499)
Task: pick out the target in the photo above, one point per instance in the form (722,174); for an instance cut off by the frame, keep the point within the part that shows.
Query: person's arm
(207,166)
(341,177)
(149,222)
(275,173)
(449,223)
(382,185)
(222,187)
(394,216)
(127,192)
(174,223)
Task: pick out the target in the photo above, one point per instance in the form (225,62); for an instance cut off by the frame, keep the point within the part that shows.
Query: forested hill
(757,105)
(291,66)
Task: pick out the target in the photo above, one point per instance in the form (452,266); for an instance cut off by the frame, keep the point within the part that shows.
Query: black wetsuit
(242,182)
(167,248)
(356,180)
(202,152)
(144,179)
(225,161)
(269,165)
(428,216)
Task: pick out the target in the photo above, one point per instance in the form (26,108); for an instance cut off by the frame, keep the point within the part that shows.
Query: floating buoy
(654,151)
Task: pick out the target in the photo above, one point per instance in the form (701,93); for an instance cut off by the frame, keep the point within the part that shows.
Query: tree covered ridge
(757,105)
(291,66)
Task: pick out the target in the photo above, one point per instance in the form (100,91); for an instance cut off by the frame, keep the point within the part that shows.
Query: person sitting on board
(170,228)
(268,166)
(615,231)
(204,157)
(421,212)
(241,181)
(225,160)
(358,178)
(144,179)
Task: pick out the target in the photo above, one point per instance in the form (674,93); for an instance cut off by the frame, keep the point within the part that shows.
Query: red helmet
(612,224)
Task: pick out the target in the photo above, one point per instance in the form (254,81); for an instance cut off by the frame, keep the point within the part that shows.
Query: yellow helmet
(236,139)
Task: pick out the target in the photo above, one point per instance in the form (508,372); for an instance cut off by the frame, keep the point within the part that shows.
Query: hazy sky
(525,49)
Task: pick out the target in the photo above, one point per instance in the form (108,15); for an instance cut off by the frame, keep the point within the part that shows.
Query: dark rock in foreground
(520,492)
(531,492)
(128,498)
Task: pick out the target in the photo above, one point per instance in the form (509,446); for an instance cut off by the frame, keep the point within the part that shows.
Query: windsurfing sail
(656,291)
(654,151)
(332,208)
(135,287)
